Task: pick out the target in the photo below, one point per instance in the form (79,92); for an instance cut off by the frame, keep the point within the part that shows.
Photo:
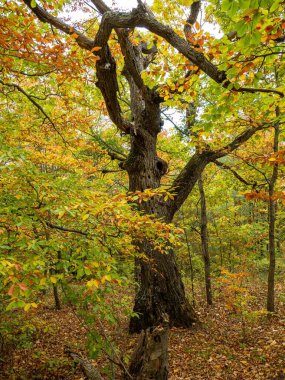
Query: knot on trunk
(161,166)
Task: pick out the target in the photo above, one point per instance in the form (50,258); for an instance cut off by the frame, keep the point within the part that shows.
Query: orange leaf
(96,48)
(22,286)
(11,290)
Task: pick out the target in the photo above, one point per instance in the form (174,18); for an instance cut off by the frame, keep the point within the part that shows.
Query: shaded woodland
(142,190)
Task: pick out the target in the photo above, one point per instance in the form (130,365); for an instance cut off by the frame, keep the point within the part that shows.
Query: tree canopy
(129,136)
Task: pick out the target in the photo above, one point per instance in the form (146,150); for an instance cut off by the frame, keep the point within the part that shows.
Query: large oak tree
(160,286)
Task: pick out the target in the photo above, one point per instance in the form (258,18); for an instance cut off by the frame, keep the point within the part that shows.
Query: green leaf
(241,28)
(255,38)
(226,5)
(33,4)
(15,305)
(244,4)
(275,6)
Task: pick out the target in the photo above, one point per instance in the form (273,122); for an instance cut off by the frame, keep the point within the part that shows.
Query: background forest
(142,190)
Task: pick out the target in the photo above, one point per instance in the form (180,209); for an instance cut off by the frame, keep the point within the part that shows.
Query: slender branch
(112,152)
(224,166)
(37,105)
(106,171)
(254,90)
(40,74)
(50,225)
(255,168)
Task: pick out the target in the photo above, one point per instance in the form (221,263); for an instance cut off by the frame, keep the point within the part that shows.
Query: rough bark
(150,358)
(90,372)
(204,243)
(160,285)
(161,289)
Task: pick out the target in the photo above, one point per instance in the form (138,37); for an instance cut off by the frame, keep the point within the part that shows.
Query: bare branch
(89,370)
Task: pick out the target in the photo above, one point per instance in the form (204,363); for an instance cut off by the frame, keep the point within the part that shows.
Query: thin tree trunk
(204,242)
(56,297)
(55,286)
(191,267)
(271,225)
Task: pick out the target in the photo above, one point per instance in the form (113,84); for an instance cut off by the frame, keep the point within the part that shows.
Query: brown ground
(223,347)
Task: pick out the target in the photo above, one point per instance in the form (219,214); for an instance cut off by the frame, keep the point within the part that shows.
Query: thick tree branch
(185,181)
(194,11)
(106,70)
(82,40)
(143,18)
(128,49)
(237,141)
(101,6)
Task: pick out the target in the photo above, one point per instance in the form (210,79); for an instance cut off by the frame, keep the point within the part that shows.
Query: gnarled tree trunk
(160,285)
(161,289)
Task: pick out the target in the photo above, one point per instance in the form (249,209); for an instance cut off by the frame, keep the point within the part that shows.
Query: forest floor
(230,343)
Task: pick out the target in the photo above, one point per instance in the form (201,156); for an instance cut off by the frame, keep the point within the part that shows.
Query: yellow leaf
(27,306)
(106,277)
(86,216)
(92,283)
(74,35)
(60,215)
(53,279)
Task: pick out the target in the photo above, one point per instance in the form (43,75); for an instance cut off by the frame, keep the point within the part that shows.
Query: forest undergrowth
(229,343)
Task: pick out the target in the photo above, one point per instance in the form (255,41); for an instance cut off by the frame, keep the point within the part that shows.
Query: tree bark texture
(204,243)
(160,285)
(150,358)
(161,289)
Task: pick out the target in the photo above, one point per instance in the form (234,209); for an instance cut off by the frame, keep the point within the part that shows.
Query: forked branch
(185,181)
